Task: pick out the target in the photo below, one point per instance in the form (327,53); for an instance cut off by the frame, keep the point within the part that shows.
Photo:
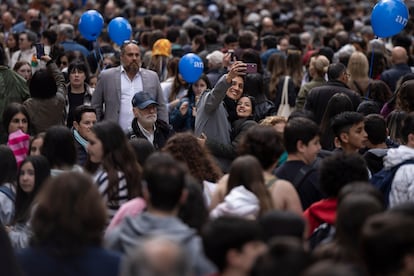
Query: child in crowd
(348,128)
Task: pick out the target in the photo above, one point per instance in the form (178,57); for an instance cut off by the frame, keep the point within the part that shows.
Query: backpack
(8,192)
(323,234)
(382,180)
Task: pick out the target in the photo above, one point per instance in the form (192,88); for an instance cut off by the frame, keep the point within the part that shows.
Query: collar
(144,131)
(123,70)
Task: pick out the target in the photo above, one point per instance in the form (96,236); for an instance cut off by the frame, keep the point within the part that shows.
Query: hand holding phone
(40,50)
(232,56)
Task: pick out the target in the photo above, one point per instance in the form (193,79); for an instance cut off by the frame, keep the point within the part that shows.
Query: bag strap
(303,172)
(8,192)
(285,91)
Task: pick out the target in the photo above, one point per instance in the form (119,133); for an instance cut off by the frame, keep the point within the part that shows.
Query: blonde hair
(320,64)
(358,65)
(272,120)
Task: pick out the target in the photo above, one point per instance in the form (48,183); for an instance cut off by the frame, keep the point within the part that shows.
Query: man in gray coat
(217,108)
(116,87)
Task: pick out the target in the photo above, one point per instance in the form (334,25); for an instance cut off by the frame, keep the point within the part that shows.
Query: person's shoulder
(148,73)
(102,253)
(110,72)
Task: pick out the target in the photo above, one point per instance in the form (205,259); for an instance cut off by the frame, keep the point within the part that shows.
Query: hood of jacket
(320,212)
(398,155)
(239,202)
(134,229)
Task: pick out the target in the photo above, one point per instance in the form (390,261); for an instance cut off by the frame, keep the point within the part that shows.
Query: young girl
(182,117)
(113,165)
(245,112)
(246,195)
(33,171)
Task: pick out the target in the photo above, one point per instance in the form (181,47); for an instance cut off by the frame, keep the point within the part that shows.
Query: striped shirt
(112,204)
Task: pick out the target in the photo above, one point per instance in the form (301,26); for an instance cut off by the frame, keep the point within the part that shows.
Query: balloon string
(99,57)
(370,67)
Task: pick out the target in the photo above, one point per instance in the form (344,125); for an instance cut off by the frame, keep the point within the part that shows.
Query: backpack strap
(8,192)
(302,174)
(305,171)
(270,182)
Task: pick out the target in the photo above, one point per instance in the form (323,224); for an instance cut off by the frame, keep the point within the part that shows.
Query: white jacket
(402,188)
(239,202)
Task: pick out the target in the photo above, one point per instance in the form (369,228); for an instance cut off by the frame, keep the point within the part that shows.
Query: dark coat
(319,97)
(162,132)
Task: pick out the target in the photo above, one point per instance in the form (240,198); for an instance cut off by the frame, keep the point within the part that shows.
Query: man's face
(356,136)
(24,43)
(236,89)
(147,116)
(131,58)
(86,123)
(7,19)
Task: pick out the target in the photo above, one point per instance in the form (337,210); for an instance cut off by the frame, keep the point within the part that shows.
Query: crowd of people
(113,163)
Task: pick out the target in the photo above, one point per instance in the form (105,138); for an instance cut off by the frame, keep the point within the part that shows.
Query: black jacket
(319,97)
(162,132)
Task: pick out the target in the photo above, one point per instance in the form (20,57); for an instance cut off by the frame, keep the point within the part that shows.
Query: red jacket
(320,212)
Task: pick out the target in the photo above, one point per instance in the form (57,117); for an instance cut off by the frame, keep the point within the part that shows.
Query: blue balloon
(389,17)
(191,67)
(90,25)
(119,30)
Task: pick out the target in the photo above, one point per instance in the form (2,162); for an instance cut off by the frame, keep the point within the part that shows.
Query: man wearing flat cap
(146,123)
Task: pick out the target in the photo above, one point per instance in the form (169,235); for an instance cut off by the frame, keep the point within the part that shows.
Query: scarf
(80,139)
(230,106)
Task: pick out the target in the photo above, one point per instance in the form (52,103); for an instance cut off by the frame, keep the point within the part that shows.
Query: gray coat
(134,229)
(108,92)
(212,119)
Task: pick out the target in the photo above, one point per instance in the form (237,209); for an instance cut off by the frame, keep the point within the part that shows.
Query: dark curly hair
(340,169)
(185,148)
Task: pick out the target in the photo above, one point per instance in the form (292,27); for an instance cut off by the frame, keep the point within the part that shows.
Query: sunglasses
(130,42)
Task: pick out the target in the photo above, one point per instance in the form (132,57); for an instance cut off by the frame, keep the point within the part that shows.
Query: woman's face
(25,71)
(199,87)
(11,42)
(63,62)
(36,146)
(77,78)
(18,121)
(95,149)
(27,177)
(244,107)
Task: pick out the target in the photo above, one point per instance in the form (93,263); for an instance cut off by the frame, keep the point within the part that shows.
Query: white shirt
(149,135)
(26,55)
(128,90)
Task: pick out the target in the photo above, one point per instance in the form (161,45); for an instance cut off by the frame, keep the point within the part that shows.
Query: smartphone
(232,56)
(40,50)
(251,68)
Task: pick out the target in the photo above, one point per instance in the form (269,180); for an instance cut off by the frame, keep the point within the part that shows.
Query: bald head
(32,14)
(399,55)
(158,256)
(7,19)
